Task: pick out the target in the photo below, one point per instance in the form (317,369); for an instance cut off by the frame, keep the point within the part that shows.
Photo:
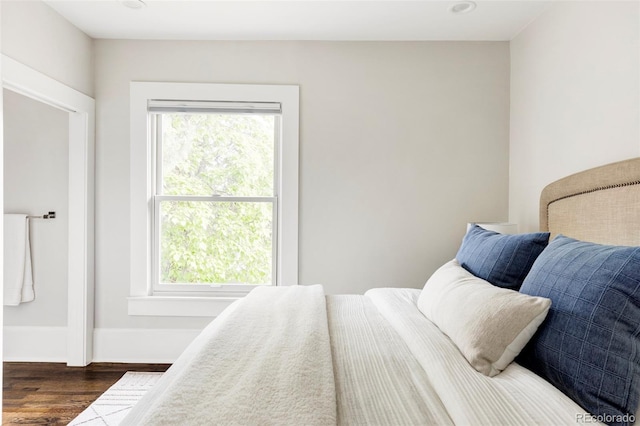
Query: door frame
(26,81)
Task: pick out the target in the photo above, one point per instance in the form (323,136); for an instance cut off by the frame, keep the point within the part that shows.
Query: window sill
(178,306)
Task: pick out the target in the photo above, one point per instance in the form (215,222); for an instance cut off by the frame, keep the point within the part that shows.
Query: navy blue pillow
(589,345)
(503,260)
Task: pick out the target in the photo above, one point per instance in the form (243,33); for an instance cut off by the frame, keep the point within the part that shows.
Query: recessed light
(462,7)
(133,4)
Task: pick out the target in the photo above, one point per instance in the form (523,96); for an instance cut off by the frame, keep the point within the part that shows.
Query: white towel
(18,276)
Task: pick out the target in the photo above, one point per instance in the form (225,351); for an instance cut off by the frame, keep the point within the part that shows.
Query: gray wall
(36,148)
(37,36)
(575,97)
(401,143)
(1,196)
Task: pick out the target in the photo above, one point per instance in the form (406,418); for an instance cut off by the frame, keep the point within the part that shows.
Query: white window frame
(221,289)
(143,300)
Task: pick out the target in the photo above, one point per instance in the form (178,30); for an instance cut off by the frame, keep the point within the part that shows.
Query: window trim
(142,300)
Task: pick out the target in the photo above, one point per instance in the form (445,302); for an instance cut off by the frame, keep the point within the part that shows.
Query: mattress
(390,366)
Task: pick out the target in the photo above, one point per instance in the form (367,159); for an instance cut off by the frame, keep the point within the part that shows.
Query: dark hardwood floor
(54,394)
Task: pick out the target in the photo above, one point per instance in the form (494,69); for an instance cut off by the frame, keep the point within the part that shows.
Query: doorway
(80,110)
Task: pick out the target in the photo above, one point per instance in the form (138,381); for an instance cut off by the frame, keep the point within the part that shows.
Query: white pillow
(490,325)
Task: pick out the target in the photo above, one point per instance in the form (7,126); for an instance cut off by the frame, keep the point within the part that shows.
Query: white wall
(2,209)
(575,97)
(36,162)
(37,36)
(401,144)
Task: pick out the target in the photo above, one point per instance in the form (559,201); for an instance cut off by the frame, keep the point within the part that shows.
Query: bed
(464,350)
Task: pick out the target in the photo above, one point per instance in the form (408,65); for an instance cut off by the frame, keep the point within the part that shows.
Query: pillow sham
(490,325)
(503,260)
(589,346)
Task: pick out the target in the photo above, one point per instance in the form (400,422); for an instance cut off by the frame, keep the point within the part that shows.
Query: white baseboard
(140,345)
(135,345)
(34,344)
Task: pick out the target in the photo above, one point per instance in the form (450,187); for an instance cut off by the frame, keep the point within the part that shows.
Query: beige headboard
(600,205)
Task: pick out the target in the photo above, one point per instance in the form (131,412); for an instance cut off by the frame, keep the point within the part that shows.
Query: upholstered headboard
(600,205)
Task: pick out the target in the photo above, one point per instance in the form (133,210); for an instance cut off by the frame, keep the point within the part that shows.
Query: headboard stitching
(589,191)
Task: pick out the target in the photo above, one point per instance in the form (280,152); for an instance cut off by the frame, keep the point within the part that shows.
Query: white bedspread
(282,356)
(514,397)
(266,361)
(378,380)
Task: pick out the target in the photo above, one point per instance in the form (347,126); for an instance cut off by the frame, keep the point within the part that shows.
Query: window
(215,202)
(213,193)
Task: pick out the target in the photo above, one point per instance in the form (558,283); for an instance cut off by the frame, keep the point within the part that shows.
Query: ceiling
(299,19)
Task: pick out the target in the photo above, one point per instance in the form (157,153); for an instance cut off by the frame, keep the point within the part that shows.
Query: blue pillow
(503,260)
(589,345)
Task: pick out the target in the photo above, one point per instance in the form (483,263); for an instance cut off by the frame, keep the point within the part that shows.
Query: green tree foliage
(217,155)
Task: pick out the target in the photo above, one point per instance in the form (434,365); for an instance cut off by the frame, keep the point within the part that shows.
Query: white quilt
(284,356)
(266,361)
(514,397)
(378,380)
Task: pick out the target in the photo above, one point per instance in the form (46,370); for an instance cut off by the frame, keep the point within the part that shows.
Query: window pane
(218,154)
(215,242)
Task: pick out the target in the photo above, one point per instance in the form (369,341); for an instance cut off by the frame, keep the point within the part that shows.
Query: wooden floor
(54,394)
